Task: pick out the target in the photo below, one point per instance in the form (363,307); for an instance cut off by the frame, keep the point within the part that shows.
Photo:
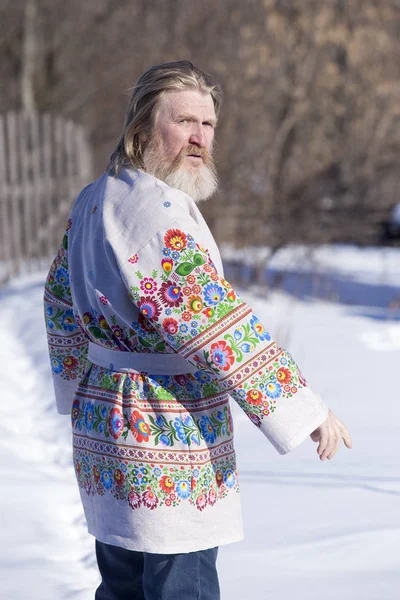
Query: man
(148,341)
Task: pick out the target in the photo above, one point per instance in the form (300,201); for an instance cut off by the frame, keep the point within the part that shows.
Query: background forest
(310,128)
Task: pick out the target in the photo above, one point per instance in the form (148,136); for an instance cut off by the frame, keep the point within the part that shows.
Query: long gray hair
(149,88)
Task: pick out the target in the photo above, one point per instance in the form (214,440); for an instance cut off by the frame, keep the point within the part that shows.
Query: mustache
(205,154)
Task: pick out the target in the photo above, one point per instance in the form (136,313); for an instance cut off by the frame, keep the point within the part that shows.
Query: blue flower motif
(258,329)
(167,204)
(106,479)
(160,421)
(50,311)
(273,389)
(144,470)
(283,361)
(178,424)
(88,415)
(90,275)
(175,255)
(183,328)
(195,473)
(164,439)
(189,421)
(197,394)
(183,489)
(245,347)
(189,237)
(123,467)
(229,478)
(193,332)
(241,393)
(168,311)
(135,325)
(237,334)
(68,321)
(202,376)
(191,245)
(189,386)
(50,324)
(213,293)
(146,388)
(207,429)
(157,472)
(166,252)
(56,365)
(62,276)
(194,324)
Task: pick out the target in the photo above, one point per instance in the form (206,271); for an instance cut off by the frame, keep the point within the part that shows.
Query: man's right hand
(329,435)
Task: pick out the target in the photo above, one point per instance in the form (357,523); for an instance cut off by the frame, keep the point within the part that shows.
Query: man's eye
(183,121)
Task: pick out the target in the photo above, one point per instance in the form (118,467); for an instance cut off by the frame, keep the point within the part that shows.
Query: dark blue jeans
(129,575)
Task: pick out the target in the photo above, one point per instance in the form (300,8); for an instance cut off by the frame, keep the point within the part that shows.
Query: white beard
(199,183)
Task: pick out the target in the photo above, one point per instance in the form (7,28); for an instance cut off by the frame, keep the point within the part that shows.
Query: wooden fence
(45,161)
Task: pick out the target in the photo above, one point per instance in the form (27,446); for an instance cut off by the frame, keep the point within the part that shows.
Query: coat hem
(182,548)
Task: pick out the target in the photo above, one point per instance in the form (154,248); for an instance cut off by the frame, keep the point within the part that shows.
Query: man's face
(179,151)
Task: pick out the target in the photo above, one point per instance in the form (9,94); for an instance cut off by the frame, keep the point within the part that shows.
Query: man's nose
(198,137)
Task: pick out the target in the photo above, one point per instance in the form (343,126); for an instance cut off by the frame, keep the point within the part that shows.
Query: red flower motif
(140,429)
(254,397)
(222,355)
(212,497)
(170,325)
(175,239)
(150,500)
(133,259)
(103,300)
(96,473)
(148,285)
(170,294)
(283,375)
(167,484)
(201,501)
(208,312)
(167,264)
(70,362)
(149,307)
(231,296)
(134,499)
(219,478)
(119,477)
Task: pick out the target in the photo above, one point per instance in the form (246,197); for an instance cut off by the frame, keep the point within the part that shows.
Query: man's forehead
(175,102)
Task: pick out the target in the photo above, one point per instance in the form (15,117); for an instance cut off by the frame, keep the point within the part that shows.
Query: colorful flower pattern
(183,306)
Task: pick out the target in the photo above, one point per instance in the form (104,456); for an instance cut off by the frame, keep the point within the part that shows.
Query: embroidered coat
(138,275)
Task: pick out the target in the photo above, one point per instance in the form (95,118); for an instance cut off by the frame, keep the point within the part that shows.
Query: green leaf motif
(184,269)
(198,260)
(144,342)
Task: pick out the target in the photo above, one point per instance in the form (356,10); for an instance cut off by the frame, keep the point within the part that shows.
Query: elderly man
(148,342)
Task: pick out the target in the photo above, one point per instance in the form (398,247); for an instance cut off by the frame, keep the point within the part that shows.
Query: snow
(313,529)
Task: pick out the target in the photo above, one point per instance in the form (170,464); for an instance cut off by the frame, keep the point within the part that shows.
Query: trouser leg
(191,576)
(121,572)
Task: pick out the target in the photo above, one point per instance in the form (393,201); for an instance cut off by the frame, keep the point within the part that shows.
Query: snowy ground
(313,529)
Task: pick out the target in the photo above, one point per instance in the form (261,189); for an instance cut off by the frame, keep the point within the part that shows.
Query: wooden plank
(36,186)
(15,225)
(5,241)
(23,120)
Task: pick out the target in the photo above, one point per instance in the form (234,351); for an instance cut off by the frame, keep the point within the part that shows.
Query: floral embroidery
(151,485)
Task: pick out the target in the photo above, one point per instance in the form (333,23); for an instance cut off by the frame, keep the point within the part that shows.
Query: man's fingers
(345,435)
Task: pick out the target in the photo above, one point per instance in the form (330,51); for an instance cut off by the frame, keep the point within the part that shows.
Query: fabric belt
(127,362)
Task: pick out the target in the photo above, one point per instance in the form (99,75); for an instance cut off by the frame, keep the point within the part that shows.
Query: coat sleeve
(67,343)
(175,285)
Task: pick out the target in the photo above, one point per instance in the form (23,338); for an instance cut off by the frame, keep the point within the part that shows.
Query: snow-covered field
(313,529)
